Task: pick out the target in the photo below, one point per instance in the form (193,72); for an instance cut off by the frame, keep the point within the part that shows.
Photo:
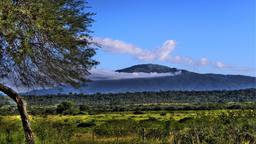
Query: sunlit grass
(126,127)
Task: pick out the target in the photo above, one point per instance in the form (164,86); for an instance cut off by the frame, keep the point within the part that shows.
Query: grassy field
(207,117)
(153,127)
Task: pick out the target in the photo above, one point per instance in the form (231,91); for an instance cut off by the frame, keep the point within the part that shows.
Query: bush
(163,114)
(65,107)
(183,120)
(84,108)
(138,112)
(116,128)
(86,124)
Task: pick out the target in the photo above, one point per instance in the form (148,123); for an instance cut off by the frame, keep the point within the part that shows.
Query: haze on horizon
(201,36)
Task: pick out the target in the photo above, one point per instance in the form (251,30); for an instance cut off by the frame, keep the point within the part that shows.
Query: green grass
(215,126)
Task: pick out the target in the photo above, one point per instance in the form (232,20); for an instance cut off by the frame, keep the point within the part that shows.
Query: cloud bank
(163,53)
(101,74)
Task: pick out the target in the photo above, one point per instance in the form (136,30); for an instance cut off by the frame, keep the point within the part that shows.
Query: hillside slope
(185,80)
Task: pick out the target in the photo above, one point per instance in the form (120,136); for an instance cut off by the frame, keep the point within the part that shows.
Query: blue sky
(206,36)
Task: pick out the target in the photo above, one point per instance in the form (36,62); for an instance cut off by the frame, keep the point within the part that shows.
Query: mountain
(174,79)
(149,68)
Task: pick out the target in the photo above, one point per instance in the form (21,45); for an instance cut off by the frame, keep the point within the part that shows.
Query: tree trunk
(22,111)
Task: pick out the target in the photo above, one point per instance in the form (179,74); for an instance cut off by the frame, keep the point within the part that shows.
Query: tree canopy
(45,42)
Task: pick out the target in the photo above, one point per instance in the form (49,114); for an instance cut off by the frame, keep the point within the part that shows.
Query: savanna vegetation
(224,117)
(162,127)
(140,101)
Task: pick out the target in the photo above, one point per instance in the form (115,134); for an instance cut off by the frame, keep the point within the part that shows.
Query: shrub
(183,120)
(116,128)
(138,112)
(86,124)
(65,107)
(84,108)
(163,114)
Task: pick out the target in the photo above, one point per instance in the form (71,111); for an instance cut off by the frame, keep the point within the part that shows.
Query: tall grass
(184,127)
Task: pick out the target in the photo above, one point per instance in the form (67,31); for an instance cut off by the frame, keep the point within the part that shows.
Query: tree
(65,107)
(43,43)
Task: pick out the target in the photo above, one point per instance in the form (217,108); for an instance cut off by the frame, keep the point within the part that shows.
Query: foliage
(45,42)
(140,98)
(65,107)
(161,101)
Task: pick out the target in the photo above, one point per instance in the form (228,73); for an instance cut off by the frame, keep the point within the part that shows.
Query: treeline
(136,102)
(192,97)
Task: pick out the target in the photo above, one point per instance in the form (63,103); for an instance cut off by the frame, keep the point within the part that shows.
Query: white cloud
(219,64)
(163,53)
(118,46)
(101,74)
(204,61)
(166,49)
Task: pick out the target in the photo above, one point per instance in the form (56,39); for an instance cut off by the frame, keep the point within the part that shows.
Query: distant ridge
(179,80)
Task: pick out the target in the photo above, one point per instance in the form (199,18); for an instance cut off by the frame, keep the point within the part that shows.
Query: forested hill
(150,68)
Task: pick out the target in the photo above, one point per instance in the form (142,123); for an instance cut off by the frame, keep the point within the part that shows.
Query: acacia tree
(43,43)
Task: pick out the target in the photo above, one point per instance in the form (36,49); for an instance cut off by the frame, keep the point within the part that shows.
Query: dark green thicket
(119,99)
(138,103)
